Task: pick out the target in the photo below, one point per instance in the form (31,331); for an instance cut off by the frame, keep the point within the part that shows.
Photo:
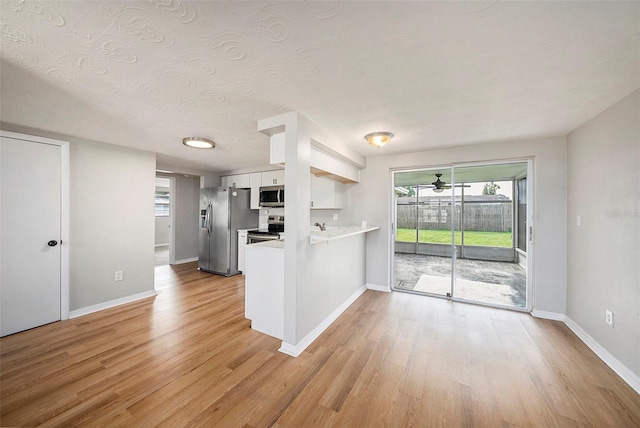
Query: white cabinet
(255,180)
(264,288)
(277,149)
(241,181)
(325,193)
(273,178)
(242,246)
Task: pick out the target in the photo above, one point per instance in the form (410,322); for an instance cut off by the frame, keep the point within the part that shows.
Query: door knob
(52,243)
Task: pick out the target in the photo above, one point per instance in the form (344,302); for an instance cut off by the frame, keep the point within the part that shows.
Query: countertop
(334,233)
(248,230)
(317,236)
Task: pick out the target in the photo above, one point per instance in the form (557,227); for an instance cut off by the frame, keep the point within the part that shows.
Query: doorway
(164,219)
(461,233)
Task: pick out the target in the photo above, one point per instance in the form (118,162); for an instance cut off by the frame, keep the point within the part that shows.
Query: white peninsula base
(264,287)
(332,277)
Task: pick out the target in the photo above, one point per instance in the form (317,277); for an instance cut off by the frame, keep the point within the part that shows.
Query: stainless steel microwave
(272,196)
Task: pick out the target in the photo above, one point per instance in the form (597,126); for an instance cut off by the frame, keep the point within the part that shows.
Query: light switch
(578,220)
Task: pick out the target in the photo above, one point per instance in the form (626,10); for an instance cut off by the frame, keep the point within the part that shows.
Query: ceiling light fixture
(378,139)
(198,143)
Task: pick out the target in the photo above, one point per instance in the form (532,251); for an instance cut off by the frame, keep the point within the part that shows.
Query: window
(162,203)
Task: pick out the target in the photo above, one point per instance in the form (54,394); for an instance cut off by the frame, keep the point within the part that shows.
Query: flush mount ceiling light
(198,143)
(378,139)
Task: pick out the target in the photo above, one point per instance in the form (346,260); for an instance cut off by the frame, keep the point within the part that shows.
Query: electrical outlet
(608,317)
(119,275)
(335,216)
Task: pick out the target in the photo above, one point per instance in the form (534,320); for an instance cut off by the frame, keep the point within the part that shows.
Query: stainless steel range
(274,230)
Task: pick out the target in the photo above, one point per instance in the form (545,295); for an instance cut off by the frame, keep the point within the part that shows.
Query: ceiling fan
(439,185)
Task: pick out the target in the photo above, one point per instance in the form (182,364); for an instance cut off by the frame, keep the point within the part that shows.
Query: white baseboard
(297,349)
(623,371)
(376,287)
(192,259)
(289,349)
(110,304)
(548,315)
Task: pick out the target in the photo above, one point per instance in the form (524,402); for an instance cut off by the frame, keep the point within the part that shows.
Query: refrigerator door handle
(207,219)
(205,224)
(210,218)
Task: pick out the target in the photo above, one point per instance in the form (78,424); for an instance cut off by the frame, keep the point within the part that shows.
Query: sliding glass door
(423,229)
(458,232)
(487,269)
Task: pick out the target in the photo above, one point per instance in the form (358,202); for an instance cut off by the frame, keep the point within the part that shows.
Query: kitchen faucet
(321,226)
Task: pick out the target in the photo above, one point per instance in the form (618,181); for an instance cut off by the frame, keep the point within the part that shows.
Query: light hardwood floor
(188,358)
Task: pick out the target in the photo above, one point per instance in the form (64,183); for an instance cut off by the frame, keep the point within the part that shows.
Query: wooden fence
(478,216)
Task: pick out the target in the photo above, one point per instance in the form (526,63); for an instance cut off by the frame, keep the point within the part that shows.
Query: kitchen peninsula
(320,279)
(338,269)
(333,233)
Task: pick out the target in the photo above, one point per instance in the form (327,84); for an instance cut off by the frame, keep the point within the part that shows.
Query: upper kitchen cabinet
(273,178)
(277,149)
(256,182)
(326,194)
(259,179)
(241,181)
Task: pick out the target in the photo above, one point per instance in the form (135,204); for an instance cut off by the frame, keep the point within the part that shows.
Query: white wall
(162,230)
(187,203)
(370,200)
(209,180)
(334,271)
(603,270)
(112,207)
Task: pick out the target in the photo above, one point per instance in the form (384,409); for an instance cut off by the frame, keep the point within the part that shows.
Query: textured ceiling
(147,74)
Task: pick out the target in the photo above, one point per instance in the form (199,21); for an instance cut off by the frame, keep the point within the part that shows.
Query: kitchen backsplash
(263,217)
(320,216)
(326,217)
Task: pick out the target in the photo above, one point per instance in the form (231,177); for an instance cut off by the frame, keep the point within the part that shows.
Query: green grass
(486,239)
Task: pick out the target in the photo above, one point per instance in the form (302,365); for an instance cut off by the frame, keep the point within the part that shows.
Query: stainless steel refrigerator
(223,210)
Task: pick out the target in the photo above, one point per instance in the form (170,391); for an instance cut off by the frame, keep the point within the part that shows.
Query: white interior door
(30,234)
